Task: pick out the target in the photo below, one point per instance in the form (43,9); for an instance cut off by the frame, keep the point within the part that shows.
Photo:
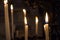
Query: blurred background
(33,8)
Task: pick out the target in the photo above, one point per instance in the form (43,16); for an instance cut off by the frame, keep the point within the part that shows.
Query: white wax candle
(36,18)
(46,28)
(7,26)
(26,26)
(26,32)
(12,23)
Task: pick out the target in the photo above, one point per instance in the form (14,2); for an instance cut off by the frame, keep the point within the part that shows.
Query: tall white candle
(25,20)
(26,26)
(26,32)
(12,23)
(36,18)
(26,29)
(7,26)
(46,28)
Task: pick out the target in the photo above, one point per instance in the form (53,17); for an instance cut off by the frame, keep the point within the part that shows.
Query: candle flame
(11,6)
(25,19)
(46,18)
(36,19)
(5,1)
(24,11)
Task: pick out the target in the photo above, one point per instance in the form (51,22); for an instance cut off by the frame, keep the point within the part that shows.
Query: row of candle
(46,29)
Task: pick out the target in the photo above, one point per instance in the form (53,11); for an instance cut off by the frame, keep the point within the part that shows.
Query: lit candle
(26,26)
(7,26)
(36,19)
(12,23)
(46,28)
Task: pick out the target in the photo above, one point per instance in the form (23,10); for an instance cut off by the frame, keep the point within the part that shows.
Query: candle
(7,26)
(26,32)
(26,26)
(12,23)
(36,19)
(25,19)
(46,28)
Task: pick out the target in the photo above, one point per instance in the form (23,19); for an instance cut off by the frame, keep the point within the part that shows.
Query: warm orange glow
(11,6)
(46,18)
(5,1)
(25,20)
(36,19)
(26,26)
(24,12)
(46,26)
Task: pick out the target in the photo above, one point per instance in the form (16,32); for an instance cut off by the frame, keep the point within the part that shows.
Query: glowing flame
(25,19)
(11,6)
(24,12)
(5,1)
(36,19)
(46,18)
